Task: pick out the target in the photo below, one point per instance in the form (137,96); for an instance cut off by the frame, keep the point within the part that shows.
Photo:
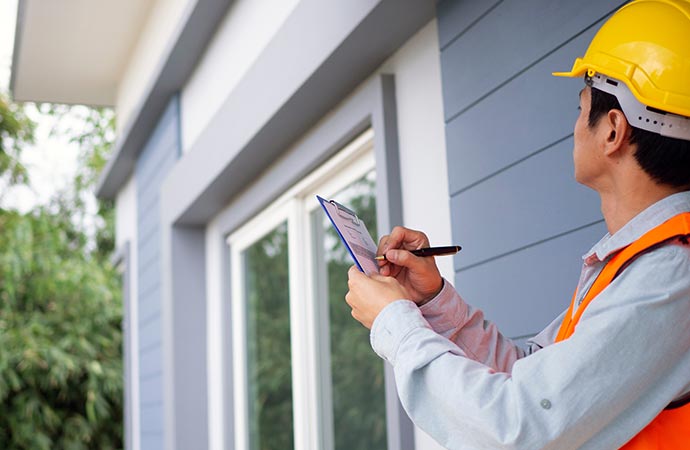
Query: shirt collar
(651,217)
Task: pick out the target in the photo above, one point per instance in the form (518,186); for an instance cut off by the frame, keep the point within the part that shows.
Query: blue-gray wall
(156,159)
(516,209)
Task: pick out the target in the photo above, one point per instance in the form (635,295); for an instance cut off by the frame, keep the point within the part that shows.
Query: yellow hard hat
(646,46)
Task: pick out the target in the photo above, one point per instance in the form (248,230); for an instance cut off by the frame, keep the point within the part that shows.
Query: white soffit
(74,51)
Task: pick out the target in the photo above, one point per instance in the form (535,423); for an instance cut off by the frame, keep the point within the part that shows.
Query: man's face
(586,156)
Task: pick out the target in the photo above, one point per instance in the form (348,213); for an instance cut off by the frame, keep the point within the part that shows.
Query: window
(305,376)
(269,377)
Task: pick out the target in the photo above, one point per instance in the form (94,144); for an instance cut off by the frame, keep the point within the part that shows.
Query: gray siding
(522,219)
(155,161)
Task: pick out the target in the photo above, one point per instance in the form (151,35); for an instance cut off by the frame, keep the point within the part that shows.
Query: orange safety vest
(670,430)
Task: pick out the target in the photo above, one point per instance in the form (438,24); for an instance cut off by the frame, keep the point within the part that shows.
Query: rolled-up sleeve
(451,317)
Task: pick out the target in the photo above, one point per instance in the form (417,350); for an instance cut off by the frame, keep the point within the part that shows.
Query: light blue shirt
(469,387)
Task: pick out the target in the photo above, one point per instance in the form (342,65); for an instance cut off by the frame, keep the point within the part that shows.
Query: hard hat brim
(578,70)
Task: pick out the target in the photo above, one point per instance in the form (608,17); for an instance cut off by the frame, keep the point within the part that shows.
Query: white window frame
(312,409)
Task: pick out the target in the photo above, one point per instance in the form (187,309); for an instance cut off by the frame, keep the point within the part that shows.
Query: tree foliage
(60,308)
(16,131)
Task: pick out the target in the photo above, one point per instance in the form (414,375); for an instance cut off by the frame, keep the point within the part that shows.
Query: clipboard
(354,234)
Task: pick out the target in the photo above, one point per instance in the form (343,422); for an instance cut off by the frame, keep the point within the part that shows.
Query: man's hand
(419,275)
(368,295)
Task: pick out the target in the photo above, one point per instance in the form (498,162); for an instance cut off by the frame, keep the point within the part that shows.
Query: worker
(613,370)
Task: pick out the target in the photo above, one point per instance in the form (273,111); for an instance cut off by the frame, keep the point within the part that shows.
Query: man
(613,371)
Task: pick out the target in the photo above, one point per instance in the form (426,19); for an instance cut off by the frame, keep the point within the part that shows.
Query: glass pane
(268,342)
(359,408)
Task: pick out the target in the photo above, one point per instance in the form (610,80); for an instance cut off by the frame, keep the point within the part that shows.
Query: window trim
(372,104)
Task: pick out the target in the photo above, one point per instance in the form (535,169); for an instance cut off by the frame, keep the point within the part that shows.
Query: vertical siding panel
(515,207)
(154,163)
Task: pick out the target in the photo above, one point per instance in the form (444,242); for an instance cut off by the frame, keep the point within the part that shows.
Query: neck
(621,207)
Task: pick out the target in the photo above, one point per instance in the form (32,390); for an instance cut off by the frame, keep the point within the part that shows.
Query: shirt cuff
(392,325)
(446,310)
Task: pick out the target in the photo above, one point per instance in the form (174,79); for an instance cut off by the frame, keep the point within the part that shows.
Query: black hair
(665,159)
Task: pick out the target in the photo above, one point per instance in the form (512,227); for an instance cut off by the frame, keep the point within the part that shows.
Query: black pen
(430,251)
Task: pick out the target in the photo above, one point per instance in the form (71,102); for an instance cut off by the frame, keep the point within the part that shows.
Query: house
(233,115)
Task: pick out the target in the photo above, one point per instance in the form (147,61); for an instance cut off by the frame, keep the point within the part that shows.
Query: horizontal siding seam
(149,348)
(153,177)
(148,229)
(150,259)
(149,290)
(532,244)
(158,373)
(511,165)
(150,435)
(469,27)
(153,157)
(526,68)
(148,204)
(151,405)
(149,319)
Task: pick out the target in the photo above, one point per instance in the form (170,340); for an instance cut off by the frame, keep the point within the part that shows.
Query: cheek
(577,139)
(581,131)
(576,159)
(579,136)
(580,124)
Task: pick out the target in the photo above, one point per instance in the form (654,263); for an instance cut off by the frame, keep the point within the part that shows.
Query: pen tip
(380,258)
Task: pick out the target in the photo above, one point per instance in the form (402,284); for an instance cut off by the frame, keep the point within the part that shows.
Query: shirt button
(546,404)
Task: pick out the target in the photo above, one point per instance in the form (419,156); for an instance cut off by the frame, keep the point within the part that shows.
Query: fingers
(353,307)
(383,243)
(403,238)
(404,258)
(369,294)
(408,239)
(353,273)
(354,277)
(399,238)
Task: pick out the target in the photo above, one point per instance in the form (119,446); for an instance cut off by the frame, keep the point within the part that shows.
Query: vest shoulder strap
(678,227)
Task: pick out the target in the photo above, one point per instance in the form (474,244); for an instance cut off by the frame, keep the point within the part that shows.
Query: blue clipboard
(354,234)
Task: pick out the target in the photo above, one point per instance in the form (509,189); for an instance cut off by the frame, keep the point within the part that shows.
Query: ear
(616,131)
